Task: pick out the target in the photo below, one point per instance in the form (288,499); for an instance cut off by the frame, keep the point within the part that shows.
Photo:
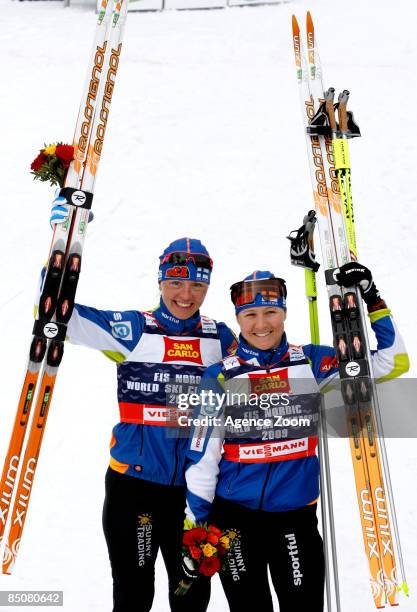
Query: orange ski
(30,460)
(12,461)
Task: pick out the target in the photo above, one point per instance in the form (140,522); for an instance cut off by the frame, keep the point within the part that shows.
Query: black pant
(139,518)
(286,542)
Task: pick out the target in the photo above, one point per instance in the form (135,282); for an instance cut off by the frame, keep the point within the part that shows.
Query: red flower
(194,536)
(209,566)
(195,552)
(215,530)
(213,539)
(65,153)
(38,162)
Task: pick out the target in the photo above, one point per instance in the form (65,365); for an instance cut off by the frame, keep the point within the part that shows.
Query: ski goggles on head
(262,292)
(181,259)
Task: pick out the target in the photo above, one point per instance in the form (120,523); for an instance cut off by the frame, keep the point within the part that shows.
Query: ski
(329,163)
(64,264)
(48,299)
(369,414)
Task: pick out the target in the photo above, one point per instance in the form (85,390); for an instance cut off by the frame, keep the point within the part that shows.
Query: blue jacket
(270,484)
(157,357)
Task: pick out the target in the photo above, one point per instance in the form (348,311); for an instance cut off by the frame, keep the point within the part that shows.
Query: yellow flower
(225,541)
(208,550)
(50,149)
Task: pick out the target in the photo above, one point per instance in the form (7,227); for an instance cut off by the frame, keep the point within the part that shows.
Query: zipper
(176,462)
(229,486)
(141,440)
(264,487)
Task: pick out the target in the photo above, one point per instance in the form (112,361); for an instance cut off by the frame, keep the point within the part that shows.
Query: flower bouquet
(204,551)
(52,163)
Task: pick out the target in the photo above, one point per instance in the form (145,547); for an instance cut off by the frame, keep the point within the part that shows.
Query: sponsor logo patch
(182,350)
(278,449)
(150,320)
(121,330)
(231,362)
(327,363)
(271,382)
(178,272)
(144,538)
(296,353)
(208,326)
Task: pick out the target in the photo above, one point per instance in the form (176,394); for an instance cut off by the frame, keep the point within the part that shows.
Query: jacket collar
(180,326)
(249,353)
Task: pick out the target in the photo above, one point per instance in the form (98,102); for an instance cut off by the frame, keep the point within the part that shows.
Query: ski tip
(295,26)
(310,33)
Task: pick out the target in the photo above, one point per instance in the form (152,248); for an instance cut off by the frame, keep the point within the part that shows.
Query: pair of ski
(328,154)
(63,269)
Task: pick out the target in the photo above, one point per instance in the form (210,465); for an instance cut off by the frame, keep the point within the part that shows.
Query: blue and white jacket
(158,356)
(258,474)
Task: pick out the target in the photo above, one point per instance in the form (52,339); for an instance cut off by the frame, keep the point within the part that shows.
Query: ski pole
(302,254)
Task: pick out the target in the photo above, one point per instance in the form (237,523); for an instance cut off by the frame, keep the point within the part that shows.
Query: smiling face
(262,326)
(183,298)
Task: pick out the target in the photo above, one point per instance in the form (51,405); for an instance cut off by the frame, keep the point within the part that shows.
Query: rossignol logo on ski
(352,368)
(78,198)
(90,102)
(50,330)
(108,93)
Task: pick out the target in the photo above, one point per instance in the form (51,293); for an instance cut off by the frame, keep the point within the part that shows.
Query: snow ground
(204,139)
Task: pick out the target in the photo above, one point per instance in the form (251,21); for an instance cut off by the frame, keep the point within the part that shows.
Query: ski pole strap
(150,414)
(77,197)
(265,452)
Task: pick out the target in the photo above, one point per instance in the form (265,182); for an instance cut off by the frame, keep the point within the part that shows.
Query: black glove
(354,273)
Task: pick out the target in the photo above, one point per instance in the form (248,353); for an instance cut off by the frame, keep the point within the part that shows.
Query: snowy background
(204,139)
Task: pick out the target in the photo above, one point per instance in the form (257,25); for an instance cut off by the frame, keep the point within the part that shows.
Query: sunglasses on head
(198,259)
